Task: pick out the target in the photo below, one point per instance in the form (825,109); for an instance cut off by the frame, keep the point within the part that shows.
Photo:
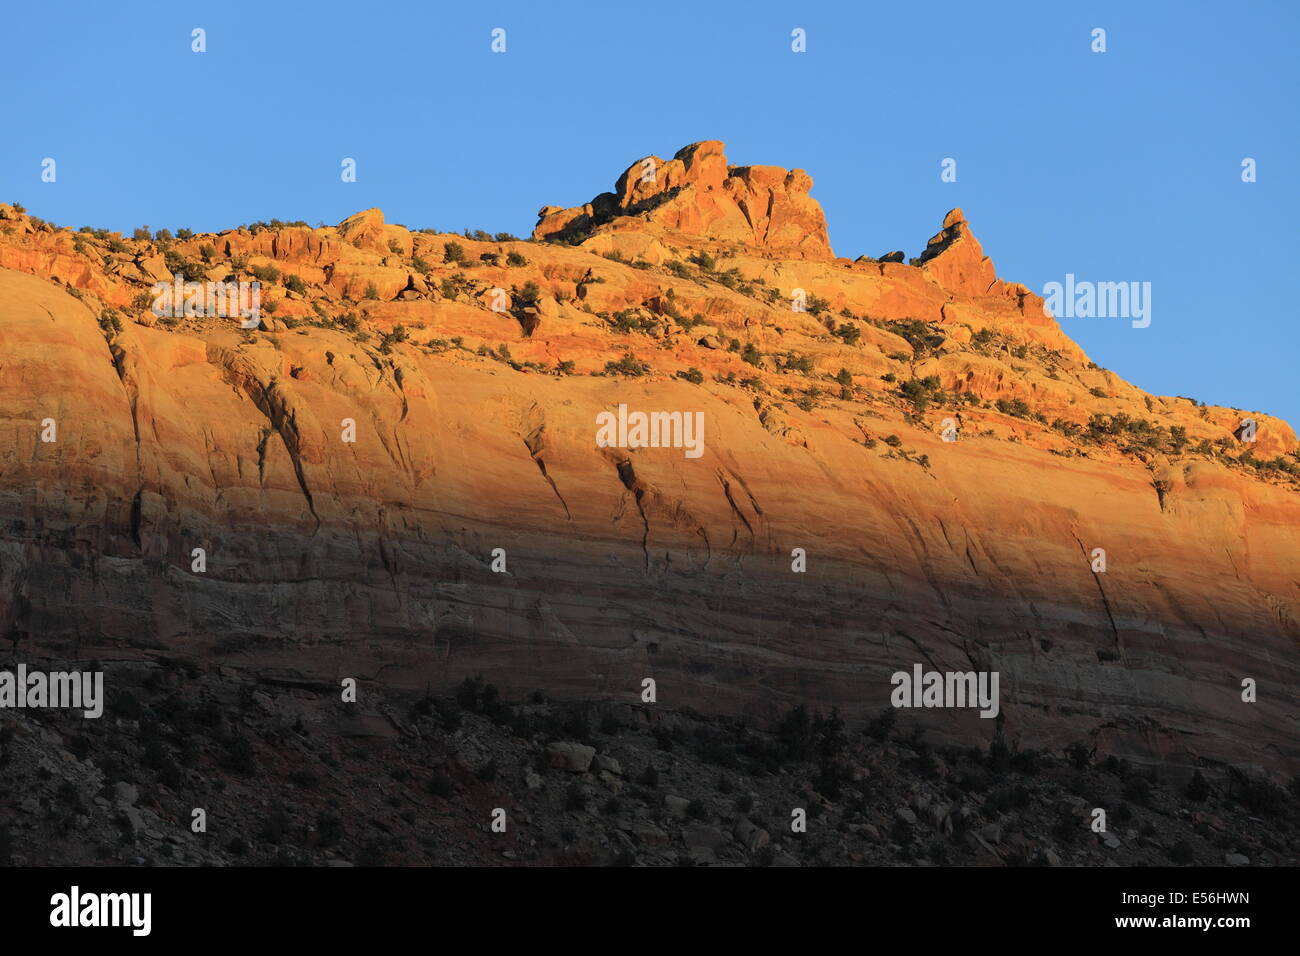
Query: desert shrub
(629,364)
(239,756)
(441,785)
(921,392)
(275,827)
(398,334)
(1015,407)
(1079,755)
(849,332)
(526,297)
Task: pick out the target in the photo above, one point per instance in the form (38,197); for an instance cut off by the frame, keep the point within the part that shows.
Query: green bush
(849,332)
(1015,407)
(527,297)
(629,364)
(266,273)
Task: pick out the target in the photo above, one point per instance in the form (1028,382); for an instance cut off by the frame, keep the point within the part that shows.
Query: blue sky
(1120,166)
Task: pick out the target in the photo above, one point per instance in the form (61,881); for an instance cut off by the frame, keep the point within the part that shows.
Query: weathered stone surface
(565,755)
(697,194)
(327,557)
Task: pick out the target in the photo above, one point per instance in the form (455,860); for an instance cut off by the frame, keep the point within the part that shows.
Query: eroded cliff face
(476,430)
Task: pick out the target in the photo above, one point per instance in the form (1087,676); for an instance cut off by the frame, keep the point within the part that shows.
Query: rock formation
(824,431)
(697,195)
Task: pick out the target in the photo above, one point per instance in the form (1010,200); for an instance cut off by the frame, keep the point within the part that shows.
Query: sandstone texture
(475,430)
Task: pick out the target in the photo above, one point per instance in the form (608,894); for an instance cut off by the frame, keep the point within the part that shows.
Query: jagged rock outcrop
(956,260)
(697,194)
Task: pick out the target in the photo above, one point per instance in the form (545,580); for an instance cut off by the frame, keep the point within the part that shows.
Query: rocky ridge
(475,431)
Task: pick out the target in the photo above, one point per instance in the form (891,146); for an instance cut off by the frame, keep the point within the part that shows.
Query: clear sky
(1115,166)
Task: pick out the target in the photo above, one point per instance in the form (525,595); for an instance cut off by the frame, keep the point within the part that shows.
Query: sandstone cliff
(475,430)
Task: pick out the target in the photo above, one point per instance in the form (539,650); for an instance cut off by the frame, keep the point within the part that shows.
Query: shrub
(267,273)
(1015,407)
(629,364)
(1198,788)
(575,798)
(849,332)
(692,375)
(295,284)
(1078,755)
(441,785)
(879,727)
(275,827)
(477,696)
(110,321)
(527,297)
(398,334)
(921,391)
(515,259)
(453,252)
(239,756)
